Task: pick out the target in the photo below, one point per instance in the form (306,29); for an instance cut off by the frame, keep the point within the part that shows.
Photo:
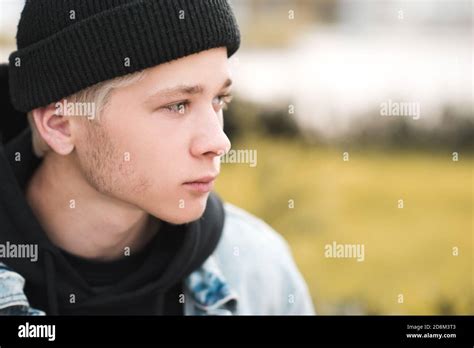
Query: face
(158,141)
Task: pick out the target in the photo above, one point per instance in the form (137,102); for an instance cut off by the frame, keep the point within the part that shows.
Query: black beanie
(68,45)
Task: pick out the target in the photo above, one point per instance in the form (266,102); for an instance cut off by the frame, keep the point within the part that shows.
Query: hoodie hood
(51,279)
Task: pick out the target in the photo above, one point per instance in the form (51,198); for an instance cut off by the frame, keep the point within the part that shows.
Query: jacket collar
(210,291)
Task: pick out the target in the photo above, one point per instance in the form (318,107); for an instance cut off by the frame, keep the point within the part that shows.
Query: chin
(192,211)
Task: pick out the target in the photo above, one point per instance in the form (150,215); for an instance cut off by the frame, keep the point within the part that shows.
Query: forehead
(205,68)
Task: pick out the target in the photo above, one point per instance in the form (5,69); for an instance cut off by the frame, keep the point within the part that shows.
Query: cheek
(151,161)
(160,148)
(162,168)
(97,158)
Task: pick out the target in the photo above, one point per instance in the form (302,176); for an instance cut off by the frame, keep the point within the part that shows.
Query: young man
(106,203)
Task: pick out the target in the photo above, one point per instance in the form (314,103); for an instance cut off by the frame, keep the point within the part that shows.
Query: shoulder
(249,233)
(258,264)
(13,300)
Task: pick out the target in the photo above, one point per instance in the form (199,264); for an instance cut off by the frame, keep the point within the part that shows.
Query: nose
(210,139)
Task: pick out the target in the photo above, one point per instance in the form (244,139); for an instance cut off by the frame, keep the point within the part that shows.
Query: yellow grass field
(409,251)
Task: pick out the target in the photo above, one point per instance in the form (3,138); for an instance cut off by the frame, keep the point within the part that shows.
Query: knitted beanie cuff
(116,42)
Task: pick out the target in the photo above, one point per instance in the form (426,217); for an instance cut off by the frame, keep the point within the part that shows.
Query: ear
(54,129)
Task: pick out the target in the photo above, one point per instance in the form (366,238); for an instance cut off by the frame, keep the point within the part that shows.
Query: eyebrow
(181,90)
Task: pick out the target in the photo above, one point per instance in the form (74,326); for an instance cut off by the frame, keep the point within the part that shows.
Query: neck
(79,219)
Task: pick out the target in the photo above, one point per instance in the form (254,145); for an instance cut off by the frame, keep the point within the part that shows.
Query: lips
(201,185)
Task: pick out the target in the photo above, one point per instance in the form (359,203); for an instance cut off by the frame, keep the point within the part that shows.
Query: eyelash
(176,107)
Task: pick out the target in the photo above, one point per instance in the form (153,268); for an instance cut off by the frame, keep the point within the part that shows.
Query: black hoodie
(52,282)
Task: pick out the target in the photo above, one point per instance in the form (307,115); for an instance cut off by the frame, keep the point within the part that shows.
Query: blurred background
(313,82)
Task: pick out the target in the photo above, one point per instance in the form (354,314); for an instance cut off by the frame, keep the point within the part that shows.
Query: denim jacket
(251,272)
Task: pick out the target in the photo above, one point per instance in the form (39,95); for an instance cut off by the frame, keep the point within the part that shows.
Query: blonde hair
(99,94)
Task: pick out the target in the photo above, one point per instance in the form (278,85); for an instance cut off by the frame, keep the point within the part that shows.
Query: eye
(222,101)
(179,108)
